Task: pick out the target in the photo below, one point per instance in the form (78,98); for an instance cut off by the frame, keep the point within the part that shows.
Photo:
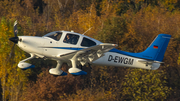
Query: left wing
(90,54)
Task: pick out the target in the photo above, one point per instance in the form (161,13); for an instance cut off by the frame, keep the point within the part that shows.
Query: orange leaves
(132,24)
(48,87)
(12,80)
(145,84)
(107,7)
(80,21)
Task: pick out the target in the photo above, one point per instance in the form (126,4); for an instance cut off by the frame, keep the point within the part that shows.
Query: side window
(87,42)
(71,39)
(56,36)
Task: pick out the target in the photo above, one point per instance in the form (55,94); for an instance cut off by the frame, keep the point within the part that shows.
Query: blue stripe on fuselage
(69,48)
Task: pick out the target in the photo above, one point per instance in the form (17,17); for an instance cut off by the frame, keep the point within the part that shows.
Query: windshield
(55,35)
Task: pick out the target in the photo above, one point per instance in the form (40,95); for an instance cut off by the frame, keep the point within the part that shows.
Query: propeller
(14,39)
(15,28)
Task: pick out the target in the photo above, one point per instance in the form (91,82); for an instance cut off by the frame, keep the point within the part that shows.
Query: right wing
(88,55)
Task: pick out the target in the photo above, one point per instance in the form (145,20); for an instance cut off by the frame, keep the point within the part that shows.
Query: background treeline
(132,24)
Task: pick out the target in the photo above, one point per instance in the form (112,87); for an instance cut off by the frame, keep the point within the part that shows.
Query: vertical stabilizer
(158,47)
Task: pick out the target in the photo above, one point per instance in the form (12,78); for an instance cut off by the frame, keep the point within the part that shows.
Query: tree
(13,80)
(48,87)
(145,84)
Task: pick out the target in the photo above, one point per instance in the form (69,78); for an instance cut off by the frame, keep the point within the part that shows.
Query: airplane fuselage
(45,47)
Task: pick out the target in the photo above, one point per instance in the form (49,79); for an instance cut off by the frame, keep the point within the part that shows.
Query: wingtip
(115,45)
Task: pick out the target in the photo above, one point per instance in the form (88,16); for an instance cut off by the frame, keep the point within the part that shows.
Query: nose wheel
(23,65)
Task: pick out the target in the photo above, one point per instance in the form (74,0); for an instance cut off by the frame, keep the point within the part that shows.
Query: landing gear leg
(57,71)
(23,65)
(74,70)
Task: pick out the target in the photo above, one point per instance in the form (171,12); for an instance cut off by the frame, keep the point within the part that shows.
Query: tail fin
(154,52)
(157,48)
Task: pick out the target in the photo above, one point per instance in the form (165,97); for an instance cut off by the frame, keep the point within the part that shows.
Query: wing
(90,54)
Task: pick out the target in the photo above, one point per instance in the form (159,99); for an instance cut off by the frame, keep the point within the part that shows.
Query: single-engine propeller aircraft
(77,50)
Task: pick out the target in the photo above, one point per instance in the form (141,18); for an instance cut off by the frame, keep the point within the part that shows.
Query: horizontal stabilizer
(149,62)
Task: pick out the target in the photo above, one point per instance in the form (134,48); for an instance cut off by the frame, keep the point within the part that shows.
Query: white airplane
(77,50)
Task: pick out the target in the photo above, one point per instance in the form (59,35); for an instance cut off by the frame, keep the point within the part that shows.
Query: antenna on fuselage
(87,31)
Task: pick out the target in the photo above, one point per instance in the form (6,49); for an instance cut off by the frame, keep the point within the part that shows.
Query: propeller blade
(11,53)
(12,50)
(15,39)
(15,29)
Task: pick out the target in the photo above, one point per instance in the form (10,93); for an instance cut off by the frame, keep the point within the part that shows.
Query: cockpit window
(71,39)
(87,42)
(56,36)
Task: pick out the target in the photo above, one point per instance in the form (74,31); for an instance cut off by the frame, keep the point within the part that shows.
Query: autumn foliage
(132,24)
